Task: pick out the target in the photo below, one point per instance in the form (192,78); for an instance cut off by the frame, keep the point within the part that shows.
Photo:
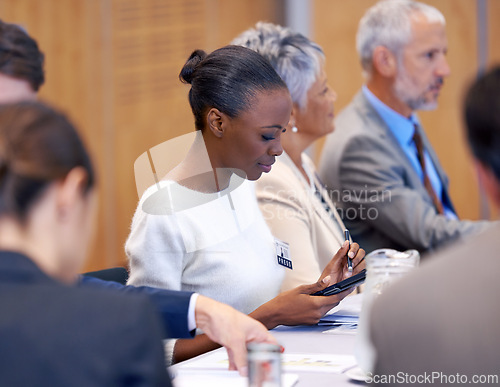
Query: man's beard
(403,90)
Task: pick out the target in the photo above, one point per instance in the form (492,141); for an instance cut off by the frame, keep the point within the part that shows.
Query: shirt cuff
(191,310)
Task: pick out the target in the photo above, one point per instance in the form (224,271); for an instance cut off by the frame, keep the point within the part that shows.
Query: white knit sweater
(215,244)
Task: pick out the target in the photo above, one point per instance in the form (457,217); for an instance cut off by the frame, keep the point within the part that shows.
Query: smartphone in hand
(355,280)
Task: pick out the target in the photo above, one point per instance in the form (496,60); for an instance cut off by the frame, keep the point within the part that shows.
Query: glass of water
(383,267)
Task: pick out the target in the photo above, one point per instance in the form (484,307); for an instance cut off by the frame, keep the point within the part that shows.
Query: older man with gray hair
(378,164)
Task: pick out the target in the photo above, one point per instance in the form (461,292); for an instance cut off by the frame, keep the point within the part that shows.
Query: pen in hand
(349,260)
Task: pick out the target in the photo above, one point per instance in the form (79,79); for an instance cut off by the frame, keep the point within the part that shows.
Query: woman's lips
(265,167)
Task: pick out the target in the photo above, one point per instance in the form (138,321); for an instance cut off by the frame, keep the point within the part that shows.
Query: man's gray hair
(295,58)
(388,24)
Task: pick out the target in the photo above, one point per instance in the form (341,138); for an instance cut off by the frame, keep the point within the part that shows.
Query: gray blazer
(380,196)
(443,317)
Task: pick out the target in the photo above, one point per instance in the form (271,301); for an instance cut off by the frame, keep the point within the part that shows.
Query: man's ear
(70,191)
(488,181)
(385,62)
(215,122)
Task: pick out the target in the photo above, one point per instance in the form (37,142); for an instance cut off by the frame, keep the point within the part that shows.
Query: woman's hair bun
(186,74)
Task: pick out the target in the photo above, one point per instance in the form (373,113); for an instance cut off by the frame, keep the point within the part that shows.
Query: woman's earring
(294,129)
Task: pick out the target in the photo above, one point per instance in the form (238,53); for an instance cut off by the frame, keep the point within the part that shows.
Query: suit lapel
(382,130)
(335,225)
(316,204)
(331,220)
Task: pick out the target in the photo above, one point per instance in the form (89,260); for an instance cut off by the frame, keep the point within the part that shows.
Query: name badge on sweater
(283,254)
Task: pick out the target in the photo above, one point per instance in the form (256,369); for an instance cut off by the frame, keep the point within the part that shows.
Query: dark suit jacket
(443,317)
(383,200)
(56,335)
(171,305)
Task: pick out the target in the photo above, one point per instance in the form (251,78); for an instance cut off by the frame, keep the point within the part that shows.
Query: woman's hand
(297,306)
(337,267)
(233,329)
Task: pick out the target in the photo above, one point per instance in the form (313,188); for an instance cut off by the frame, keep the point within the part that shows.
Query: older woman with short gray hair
(293,201)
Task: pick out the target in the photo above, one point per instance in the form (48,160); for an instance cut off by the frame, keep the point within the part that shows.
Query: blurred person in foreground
(54,333)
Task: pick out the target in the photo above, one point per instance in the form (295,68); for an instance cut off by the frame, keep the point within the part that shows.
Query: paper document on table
(220,378)
(347,312)
(349,306)
(292,362)
(343,329)
(317,362)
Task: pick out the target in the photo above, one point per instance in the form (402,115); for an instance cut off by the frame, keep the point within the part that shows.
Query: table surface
(312,339)
(316,339)
(303,339)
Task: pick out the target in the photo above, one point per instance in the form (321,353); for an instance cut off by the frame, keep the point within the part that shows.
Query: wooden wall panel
(228,18)
(66,32)
(334,28)
(151,41)
(335,25)
(493,32)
